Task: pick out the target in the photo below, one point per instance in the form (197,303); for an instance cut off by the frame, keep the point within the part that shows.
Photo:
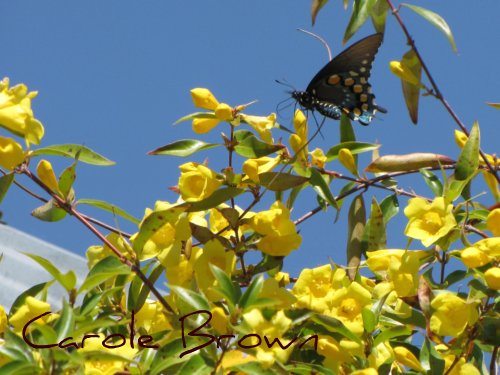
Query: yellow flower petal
(224,112)
(492,277)
(11,153)
(203,98)
(204,125)
(347,160)
(402,71)
(493,222)
(47,176)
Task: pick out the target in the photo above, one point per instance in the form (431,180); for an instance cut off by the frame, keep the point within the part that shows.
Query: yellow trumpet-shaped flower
(482,252)
(32,308)
(16,114)
(492,277)
(261,125)
(404,72)
(203,98)
(11,153)
(318,158)
(254,167)
(429,222)
(197,182)
(347,160)
(493,222)
(451,314)
(407,358)
(3,320)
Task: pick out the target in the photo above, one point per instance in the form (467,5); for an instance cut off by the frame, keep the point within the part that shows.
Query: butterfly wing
(343,82)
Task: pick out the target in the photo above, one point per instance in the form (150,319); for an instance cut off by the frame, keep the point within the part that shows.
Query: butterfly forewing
(343,82)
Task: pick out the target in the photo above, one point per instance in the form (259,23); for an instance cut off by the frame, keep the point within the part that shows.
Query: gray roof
(18,272)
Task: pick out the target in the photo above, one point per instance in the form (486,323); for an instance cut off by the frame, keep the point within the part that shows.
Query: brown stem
(493,361)
(73,212)
(435,87)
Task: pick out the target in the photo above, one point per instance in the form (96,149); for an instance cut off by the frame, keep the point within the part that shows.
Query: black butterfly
(342,85)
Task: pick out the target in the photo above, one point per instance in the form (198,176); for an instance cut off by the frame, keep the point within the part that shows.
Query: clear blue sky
(115,75)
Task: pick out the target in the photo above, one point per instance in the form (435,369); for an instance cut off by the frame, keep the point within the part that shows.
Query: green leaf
(334,325)
(65,323)
(354,147)
(455,276)
(183,148)
(375,234)
(219,196)
(280,181)
(105,269)
(346,130)
(433,182)
(379,15)
(249,146)
(454,188)
(194,300)
(468,161)
(196,365)
(390,333)
(139,292)
(356,224)
(315,8)
(369,320)
(85,154)
(299,368)
(430,358)
(436,20)
(321,187)
(360,12)
(67,280)
(411,92)
(225,286)
(389,207)
(67,179)
(109,207)
(192,116)
(49,212)
(5,182)
(251,294)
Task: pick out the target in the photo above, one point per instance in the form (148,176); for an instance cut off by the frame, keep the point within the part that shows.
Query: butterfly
(342,85)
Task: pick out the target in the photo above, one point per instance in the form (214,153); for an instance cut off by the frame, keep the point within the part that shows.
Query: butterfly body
(341,86)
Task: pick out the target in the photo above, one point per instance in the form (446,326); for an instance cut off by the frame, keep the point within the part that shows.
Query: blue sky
(115,75)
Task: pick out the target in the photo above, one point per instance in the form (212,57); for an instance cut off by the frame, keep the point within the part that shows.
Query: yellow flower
(152,318)
(261,125)
(318,158)
(481,253)
(347,305)
(254,167)
(3,358)
(3,320)
(16,114)
(400,69)
(429,222)
(47,176)
(381,354)
(315,287)
(220,321)
(279,234)
(299,140)
(366,371)
(276,327)
(203,98)
(347,160)
(451,314)
(461,138)
(492,277)
(212,253)
(218,222)
(234,358)
(99,252)
(399,266)
(224,112)
(407,358)
(281,296)
(460,367)
(493,222)
(29,310)
(197,182)
(11,153)
(336,352)
(95,365)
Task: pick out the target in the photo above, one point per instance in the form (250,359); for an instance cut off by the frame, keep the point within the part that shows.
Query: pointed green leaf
(192,116)
(430,359)
(5,182)
(105,269)
(194,300)
(321,187)
(374,235)
(346,130)
(389,207)
(468,161)
(369,320)
(225,286)
(411,92)
(219,196)
(433,182)
(65,323)
(280,181)
(67,179)
(315,8)
(86,155)
(436,20)
(354,147)
(356,224)
(109,207)
(251,294)
(49,212)
(67,280)
(390,333)
(183,148)
(335,325)
(379,15)
(249,146)
(360,12)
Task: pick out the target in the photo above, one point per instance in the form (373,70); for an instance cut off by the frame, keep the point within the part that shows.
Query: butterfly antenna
(325,44)
(318,124)
(285,83)
(280,107)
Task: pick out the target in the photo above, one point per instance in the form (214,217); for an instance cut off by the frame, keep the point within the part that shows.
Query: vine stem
(435,87)
(73,212)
